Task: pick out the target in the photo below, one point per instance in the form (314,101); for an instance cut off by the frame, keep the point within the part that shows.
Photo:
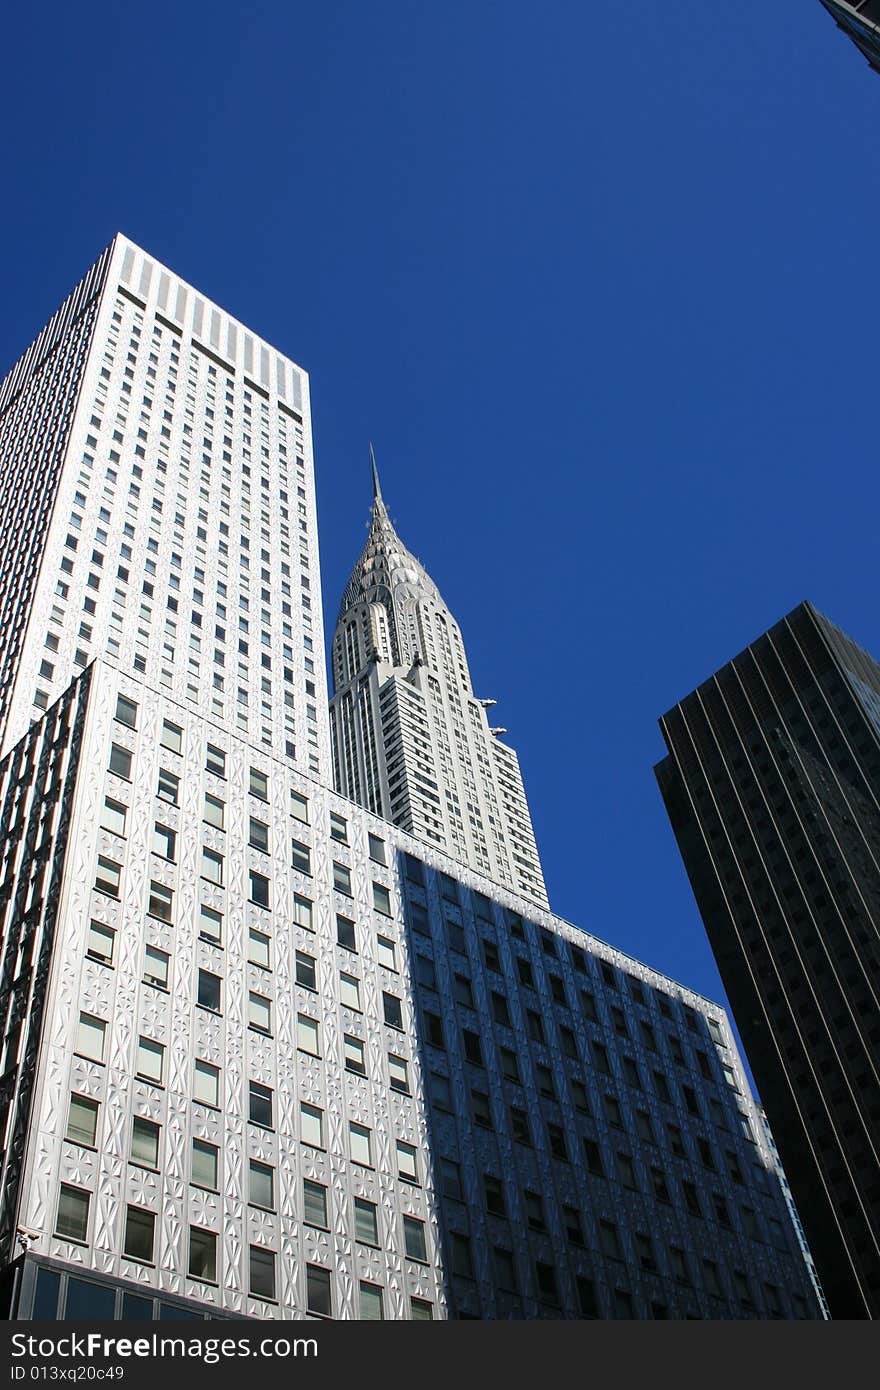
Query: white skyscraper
(265,1054)
(411,741)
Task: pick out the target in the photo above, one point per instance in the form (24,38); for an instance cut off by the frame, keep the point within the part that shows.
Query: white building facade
(264,1053)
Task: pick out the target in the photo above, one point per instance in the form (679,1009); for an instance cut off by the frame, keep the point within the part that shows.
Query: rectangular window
(120,761)
(168,788)
(361,1147)
(144,1143)
(259,889)
(82,1121)
(212,866)
(349,991)
(259,1012)
(140,1226)
(150,1060)
(385,953)
(353,1052)
(338,828)
(312,1125)
(209,990)
(407,1161)
(342,879)
(202,1254)
(302,912)
(301,859)
(90,1037)
(299,807)
(397,1071)
(108,876)
(345,933)
(215,811)
(206,1084)
(113,816)
(377,849)
(259,835)
(318,1299)
(381,899)
(204,1164)
(260,1105)
(366,1228)
(261,1185)
(371,1309)
(164,841)
(314,1204)
(72,1220)
(172,737)
(161,901)
(306,974)
(307,1039)
(258,784)
(262,1272)
(216,761)
(100,943)
(126,712)
(393,1010)
(156,967)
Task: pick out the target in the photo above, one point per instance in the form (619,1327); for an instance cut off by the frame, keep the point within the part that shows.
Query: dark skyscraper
(860,21)
(771,785)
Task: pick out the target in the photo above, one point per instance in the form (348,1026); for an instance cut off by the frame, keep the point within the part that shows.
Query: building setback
(860,21)
(266,1054)
(771,786)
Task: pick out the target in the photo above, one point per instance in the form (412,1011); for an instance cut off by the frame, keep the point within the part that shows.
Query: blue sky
(597,280)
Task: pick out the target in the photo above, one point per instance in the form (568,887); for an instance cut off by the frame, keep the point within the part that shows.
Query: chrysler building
(411,741)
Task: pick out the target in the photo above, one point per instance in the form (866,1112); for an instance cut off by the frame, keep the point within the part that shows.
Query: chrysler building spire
(411,739)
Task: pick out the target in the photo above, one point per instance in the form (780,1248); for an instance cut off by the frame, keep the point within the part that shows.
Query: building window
(126,712)
(302,912)
(212,866)
(100,943)
(385,953)
(144,1143)
(90,1037)
(342,879)
(164,841)
(120,762)
(259,1012)
(307,1039)
(345,933)
(210,924)
(377,849)
(113,816)
(216,761)
(140,1228)
(202,1254)
(82,1121)
(366,1227)
(353,1051)
(258,948)
(361,1147)
(108,876)
(397,1071)
(371,1309)
(318,1299)
(215,811)
(259,889)
(381,899)
(261,1185)
(349,991)
(171,737)
(314,1204)
(338,828)
(260,1105)
(150,1060)
(393,1010)
(259,835)
(206,1084)
(156,967)
(312,1126)
(462,1264)
(204,1164)
(299,807)
(306,974)
(407,1161)
(262,1272)
(420,1310)
(209,991)
(161,901)
(72,1220)
(258,784)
